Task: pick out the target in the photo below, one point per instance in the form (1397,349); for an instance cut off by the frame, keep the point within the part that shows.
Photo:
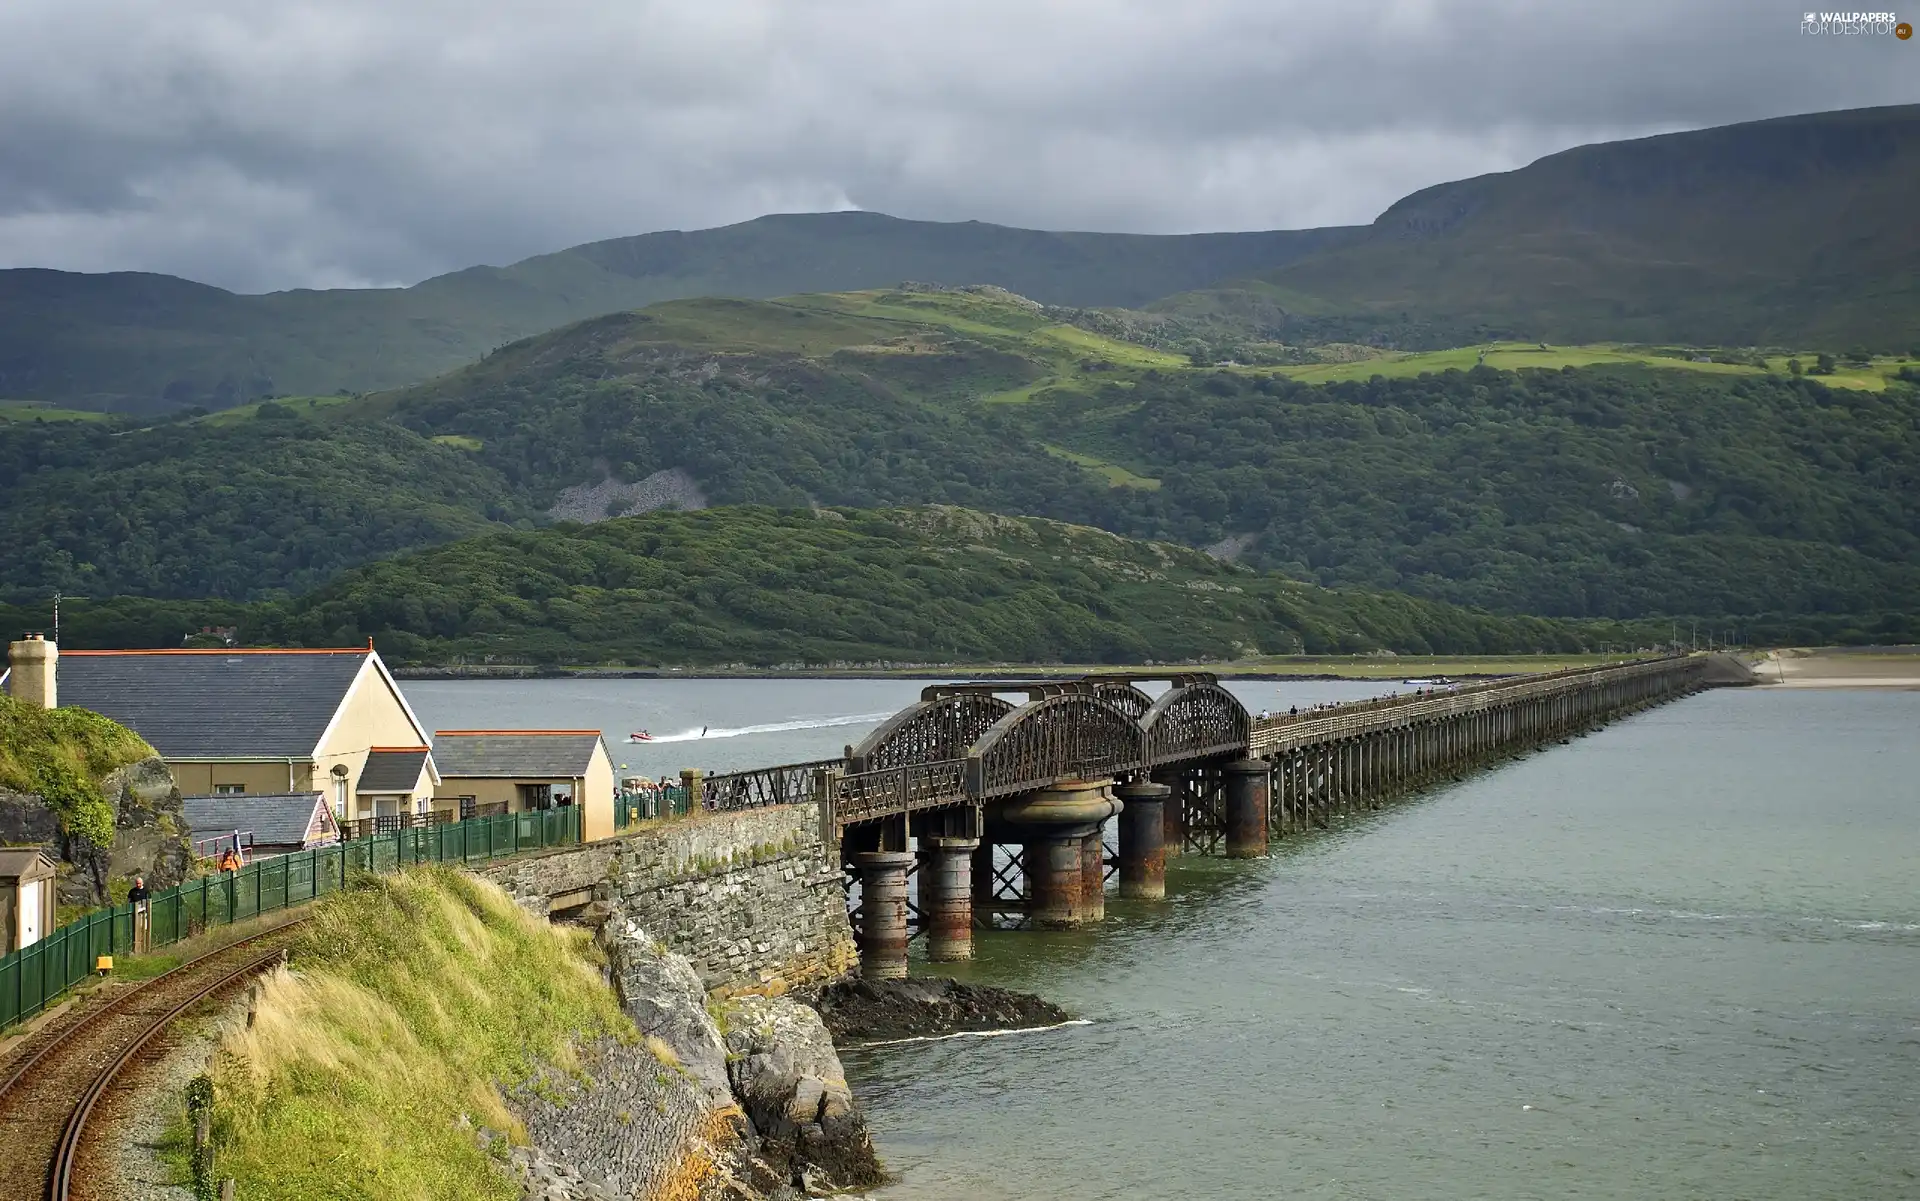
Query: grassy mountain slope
(1616,490)
(145,343)
(1791,231)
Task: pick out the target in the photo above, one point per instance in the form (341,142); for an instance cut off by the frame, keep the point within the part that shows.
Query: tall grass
(411,1001)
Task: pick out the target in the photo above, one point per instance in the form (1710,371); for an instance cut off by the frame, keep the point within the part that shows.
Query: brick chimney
(34,664)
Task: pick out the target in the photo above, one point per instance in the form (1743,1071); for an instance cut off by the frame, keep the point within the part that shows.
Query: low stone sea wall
(752,898)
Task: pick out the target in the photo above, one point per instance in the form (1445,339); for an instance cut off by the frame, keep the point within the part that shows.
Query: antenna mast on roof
(57,598)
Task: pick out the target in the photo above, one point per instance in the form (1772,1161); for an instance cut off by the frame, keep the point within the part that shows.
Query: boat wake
(940,1038)
(773,727)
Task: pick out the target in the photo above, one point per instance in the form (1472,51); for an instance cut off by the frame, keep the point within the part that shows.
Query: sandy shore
(1841,669)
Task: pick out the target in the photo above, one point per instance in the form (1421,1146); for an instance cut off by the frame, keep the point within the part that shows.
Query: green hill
(1797,231)
(762,586)
(1634,486)
(147,343)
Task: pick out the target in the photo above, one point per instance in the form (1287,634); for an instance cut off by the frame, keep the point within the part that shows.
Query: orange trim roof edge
(476,733)
(235,650)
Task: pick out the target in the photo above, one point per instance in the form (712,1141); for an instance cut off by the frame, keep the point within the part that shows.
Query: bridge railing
(890,790)
(1346,721)
(40,972)
(783,784)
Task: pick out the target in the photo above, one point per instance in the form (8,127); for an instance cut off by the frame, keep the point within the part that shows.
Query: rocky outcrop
(880,1010)
(757,1113)
(662,994)
(150,836)
(673,488)
(787,1076)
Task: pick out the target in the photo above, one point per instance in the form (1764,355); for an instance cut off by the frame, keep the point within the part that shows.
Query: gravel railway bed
(57,1076)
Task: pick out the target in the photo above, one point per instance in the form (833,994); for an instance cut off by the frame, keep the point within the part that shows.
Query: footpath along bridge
(1000,808)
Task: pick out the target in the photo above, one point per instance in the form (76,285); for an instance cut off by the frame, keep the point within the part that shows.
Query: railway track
(53,1085)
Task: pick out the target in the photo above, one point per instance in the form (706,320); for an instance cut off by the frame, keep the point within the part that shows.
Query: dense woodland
(761,586)
(1600,492)
(1614,493)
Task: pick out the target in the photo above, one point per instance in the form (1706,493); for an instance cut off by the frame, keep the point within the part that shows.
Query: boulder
(787,1076)
(662,993)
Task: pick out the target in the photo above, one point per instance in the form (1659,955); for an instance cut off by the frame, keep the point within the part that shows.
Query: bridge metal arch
(1068,736)
(1199,720)
(933,729)
(1125,697)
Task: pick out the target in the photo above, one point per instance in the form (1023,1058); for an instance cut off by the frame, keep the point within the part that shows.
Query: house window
(467,806)
(229,789)
(536,796)
(340,793)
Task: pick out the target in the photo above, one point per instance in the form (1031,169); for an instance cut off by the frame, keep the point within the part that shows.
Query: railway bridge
(970,809)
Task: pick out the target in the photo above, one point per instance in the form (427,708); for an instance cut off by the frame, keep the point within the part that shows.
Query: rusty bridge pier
(1143,840)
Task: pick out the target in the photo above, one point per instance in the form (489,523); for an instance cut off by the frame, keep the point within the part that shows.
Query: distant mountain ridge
(145,343)
(1795,231)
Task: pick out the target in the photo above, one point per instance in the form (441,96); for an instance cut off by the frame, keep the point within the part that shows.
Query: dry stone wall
(752,898)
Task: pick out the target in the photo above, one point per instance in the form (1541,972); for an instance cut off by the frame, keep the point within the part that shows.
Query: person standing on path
(137,897)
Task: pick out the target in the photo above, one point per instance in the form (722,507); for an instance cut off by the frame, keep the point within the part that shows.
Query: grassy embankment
(412,999)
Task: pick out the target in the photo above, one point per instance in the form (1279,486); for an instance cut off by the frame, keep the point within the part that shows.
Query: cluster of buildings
(291,749)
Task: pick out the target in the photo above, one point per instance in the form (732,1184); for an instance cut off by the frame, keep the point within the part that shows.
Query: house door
(31,918)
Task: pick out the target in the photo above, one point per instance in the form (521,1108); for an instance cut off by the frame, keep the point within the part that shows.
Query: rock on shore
(881,1010)
(761,1113)
(788,1078)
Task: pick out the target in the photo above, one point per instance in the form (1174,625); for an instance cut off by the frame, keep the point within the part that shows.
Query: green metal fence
(33,976)
(631,807)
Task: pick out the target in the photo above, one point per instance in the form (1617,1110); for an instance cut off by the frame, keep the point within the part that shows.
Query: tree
(1794,367)
(1824,366)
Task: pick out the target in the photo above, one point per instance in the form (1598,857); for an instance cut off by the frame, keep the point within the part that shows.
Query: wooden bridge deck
(964,744)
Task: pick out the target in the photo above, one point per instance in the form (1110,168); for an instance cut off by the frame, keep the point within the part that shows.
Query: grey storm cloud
(261,144)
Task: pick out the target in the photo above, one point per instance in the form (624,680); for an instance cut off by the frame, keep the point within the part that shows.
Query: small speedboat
(1435,682)
(639,736)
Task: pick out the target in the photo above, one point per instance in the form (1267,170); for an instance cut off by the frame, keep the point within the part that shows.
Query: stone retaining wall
(753,898)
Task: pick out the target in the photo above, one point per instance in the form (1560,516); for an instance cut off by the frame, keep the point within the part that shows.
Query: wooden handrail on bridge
(1363,717)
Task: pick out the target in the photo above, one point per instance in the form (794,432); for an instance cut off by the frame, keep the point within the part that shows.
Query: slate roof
(274,818)
(218,704)
(389,770)
(28,863)
(536,754)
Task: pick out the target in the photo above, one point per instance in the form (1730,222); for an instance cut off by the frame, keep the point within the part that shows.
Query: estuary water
(1679,957)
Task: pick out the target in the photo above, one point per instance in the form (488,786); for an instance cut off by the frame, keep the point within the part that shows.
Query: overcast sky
(260,145)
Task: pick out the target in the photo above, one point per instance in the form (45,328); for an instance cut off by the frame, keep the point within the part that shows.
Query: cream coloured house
(252,721)
(511,771)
